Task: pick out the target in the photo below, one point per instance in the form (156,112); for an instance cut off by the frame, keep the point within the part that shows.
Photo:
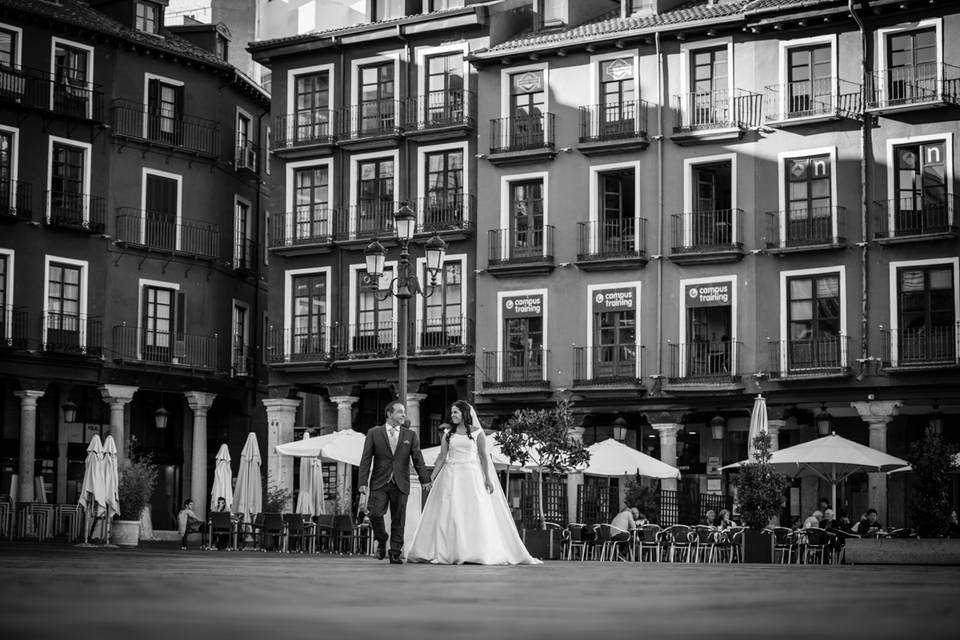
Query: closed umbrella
(89,490)
(248,499)
(758,423)
(111,484)
(222,477)
(613,459)
(310,498)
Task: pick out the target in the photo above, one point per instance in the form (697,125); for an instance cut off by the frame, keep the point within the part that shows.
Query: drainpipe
(865,195)
(661,98)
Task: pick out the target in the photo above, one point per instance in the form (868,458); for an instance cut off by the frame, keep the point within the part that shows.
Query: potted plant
(760,490)
(543,437)
(277,499)
(645,499)
(137,477)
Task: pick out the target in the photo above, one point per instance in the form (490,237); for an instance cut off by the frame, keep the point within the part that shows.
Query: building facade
(131,285)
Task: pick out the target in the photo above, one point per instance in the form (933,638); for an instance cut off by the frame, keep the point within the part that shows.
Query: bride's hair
(465,415)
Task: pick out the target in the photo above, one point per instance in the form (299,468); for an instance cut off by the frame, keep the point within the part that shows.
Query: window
(387,9)
(809,200)
(246,150)
(148,17)
(920,188)
(375,190)
(309,314)
(551,12)
(443,309)
(67,203)
(312,106)
(244,248)
(445,99)
(376,98)
(526,219)
(62,326)
(6,312)
(614,334)
(527,102)
(712,220)
(617,221)
(311,187)
(162,338)
(813,319)
(162,198)
(523,338)
(809,81)
(927,322)
(708,308)
(8,202)
(912,66)
(617,98)
(71,93)
(9,49)
(242,360)
(223,47)
(165,111)
(708,83)
(374,329)
(444,189)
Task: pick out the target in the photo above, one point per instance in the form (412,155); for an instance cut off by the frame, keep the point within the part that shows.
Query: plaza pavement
(156,591)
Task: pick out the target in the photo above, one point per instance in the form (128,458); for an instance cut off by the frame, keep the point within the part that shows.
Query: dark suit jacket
(376,450)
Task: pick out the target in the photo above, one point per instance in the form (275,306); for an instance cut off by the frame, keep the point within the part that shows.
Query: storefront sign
(523,306)
(615,300)
(710,294)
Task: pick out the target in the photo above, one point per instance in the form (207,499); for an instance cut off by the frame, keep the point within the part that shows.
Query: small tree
(760,487)
(645,499)
(543,437)
(932,460)
(137,477)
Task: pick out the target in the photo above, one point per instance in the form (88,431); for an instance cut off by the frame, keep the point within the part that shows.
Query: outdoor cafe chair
(323,528)
(705,538)
(814,543)
(344,533)
(648,537)
(271,531)
(579,539)
(609,538)
(681,539)
(840,544)
(784,544)
(300,530)
(6,517)
(220,523)
(69,521)
(735,536)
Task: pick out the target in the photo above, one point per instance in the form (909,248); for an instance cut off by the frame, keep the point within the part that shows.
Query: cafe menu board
(623,299)
(710,294)
(524,306)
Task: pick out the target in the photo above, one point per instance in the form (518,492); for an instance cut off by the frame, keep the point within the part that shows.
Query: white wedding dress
(463,523)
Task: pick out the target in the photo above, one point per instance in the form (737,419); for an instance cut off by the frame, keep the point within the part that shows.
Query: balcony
(373,124)
(447,213)
(368,340)
(516,369)
(133,344)
(704,237)
(930,347)
(247,156)
(305,132)
(367,220)
(443,336)
(286,346)
(811,101)
(16,200)
(919,217)
(309,229)
(824,357)
(72,334)
(38,89)
(714,363)
(165,232)
(80,211)
(613,128)
(246,251)
(13,327)
(912,87)
(607,365)
(241,360)
(605,245)
(811,229)
(715,116)
(440,114)
(521,139)
(514,252)
(189,134)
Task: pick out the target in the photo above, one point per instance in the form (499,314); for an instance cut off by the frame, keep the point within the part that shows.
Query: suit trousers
(388,495)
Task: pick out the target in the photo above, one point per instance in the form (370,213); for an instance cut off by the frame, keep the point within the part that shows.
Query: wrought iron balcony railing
(606,363)
(521,245)
(618,121)
(143,344)
(16,199)
(705,362)
(816,226)
(913,85)
(707,231)
(926,346)
(299,345)
(614,238)
(245,252)
(13,327)
(375,118)
(824,97)
(305,128)
(188,133)
(248,157)
(40,90)
(241,359)
(165,232)
(72,333)
(917,215)
(369,219)
(515,368)
(826,355)
(719,109)
(75,211)
(369,340)
(522,133)
(307,225)
(449,334)
(440,109)
(446,211)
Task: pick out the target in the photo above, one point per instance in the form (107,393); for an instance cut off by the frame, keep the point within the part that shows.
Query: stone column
(877,415)
(773,430)
(199,402)
(281,416)
(344,421)
(413,411)
(28,443)
(118,396)
(668,449)
(575,480)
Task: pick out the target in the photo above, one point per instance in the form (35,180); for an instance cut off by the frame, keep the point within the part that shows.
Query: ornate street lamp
(69,409)
(718,425)
(620,429)
(824,421)
(406,284)
(160,417)
(936,419)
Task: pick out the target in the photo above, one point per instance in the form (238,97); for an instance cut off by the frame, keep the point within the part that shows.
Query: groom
(390,448)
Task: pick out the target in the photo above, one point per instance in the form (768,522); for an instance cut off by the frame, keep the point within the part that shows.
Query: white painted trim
(54,41)
(421,191)
(595,60)
(146,282)
(782,158)
(48,260)
(353,98)
(292,74)
(14,162)
(688,188)
(594,196)
(355,161)
(881,49)
(386,280)
(840,270)
(687,49)
(593,288)
(506,74)
(421,54)
(147,77)
(734,314)
(10,255)
(545,316)
(505,181)
(18,52)
(288,277)
(893,296)
(143,201)
(290,191)
(796,43)
(87,148)
(464,292)
(891,145)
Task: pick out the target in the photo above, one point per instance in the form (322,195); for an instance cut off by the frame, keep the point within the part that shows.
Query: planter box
(125,533)
(940,551)
(543,544)
(757,546)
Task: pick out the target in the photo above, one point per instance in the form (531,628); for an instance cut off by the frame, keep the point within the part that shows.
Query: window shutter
(178,93)
(179,339)
(153,95)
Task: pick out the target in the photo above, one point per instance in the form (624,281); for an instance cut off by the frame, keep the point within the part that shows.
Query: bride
(466,517)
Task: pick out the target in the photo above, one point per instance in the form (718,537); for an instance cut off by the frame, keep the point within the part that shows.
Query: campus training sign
(523,306)
(615,300)
(710,294)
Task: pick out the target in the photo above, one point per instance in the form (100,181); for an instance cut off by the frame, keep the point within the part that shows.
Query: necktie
(393,438)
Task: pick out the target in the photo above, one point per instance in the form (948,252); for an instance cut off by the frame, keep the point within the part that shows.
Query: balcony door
(162,338)
(615,344)
(376,98)
(526,220)
(63,308)
(920,184)
(375,207)
(67,199)
(161,212)
(912,66)
(374,331)
(309,315)
(444,189)
(708,329)
(8,202)
(617,212)
(165,112)
(708,80)
(312,208)
(810,82)
(814,323)
(443,320)
(523,360)
(71,93)
(445,99)
(617,99)
(711,222)
(527,102)
(312,112)
(809,200)
(928,324)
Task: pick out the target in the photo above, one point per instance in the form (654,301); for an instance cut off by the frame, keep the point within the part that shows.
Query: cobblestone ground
(58,591)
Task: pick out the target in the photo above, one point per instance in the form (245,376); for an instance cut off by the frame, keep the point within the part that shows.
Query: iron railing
(285,344)
(917,215)
(935,345)
(705,231)
(446,211)
(375,118)
(521,245)
(245,252)
(305,128)
(241,359)
(448,334)
(41,90)
(620,121)
(522,133)
(369,340)
(14,331)
(926,82)
(369,219)
(16,199)
(719,109)
(75,211)
(189,133)
(247,157)
(515,368)
(606,363)
(612,238)
(825,355)
(597,504)
(142,344)
(439,109)
(705,361)
(806,227)
(72,333)
(307,225)
(163,231)
(812,98)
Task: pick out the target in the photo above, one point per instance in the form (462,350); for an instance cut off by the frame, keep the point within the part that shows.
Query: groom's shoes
(381,551)
(395,557)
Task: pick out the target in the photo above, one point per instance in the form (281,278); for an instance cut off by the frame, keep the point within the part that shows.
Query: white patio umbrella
(346,447)
(613,459)
(500,461)
(310,496)
(248,499)
(222,478)
(308,447)
(758,423)
(111,484)
(832,458)
(92,486)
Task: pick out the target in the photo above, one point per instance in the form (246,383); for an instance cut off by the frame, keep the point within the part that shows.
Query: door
(375,209)
(309,315)
(161,339)
(912,60)
(710,96)
(374,331)
(376,99)
(445,99)
(617,106)
(814,323)
(928,325)
(921,204)
(617,208)
(527,100)
(312,114)
(809,200)
(63,308)
(615,349)
(526,221)
(160,217)
(444,190)
(810,85)
(312,208)
(524,354)
(708,351)
(67,201)
(71,95)
(165,112)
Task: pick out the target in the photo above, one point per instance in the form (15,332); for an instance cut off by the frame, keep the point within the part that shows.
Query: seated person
(953,531)
(221,540)
(188,522)
(641,519)
(814,520)
(709,518)
(623,524)
(870,526)
(827,521)
(823,505)
(724,522)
